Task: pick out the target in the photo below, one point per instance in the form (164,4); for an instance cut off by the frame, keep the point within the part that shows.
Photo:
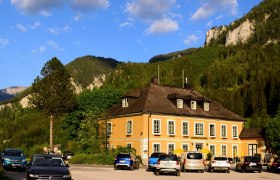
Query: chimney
(187,85)
(154,80)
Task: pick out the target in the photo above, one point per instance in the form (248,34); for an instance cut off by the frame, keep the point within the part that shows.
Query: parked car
(274,165)
(192,160)
(47,166)
(249,163)
(168,163)
(219,163)
(126,160)
(153,160)
(13,159)
(230,160)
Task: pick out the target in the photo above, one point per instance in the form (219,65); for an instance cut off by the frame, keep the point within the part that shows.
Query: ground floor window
(156,148)
(252,148)
(185,147)
(171,148)
(224,150)
(212,149)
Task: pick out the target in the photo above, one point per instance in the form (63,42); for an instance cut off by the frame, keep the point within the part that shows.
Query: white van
(192,161)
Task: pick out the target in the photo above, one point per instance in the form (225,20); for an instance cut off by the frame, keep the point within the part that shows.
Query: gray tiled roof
(161,99)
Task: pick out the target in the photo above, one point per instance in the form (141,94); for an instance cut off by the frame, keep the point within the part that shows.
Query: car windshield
(252,159)
(220,158)
(48,161)
(194,156)
(13,153)
(155,155)
(123,156)
(168,158)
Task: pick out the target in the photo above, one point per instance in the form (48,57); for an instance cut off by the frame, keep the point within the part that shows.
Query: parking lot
(80,172)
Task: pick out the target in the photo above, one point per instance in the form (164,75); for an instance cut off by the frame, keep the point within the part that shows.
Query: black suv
(249,163)
(126,160)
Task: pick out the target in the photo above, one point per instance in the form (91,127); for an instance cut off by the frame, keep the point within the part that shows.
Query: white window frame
(223,125)
(185,144)
(233,131)
(214,130)
(195,129)
(125,102)
(159,145)
(131,130)
(213,154)
(223,145)
(174,147)
(188,129)
(193,105)
(206,106)
(180,103)
(153,126)
(235,153)
(174,127)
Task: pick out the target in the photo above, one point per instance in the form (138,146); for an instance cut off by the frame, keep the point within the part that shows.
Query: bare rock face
(240,34)
(14,90)
(97,82)
(24,102)
(213,34)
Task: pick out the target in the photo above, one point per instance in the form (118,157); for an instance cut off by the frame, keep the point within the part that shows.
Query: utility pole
(51,132)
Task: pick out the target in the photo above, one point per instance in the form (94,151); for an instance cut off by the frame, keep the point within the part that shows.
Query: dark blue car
(126,160)
(13,159)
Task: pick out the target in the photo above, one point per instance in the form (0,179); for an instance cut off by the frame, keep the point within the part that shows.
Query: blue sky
(34,31)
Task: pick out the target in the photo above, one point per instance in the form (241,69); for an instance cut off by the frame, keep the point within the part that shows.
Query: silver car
(168,164)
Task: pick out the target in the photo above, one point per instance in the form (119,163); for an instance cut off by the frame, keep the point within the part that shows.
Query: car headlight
(7,159)
(33,175)
(67,176)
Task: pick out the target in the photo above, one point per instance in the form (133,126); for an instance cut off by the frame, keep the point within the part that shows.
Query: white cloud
(21,27)
(36,6)
(162,26)
(40,49)
(78,16)
(126,24)
(4,42)
(35,25)
(54,46)
(90,4)
(149,9)
(48,45)
(210,7)
(45,13)
(191,39)
(57,31)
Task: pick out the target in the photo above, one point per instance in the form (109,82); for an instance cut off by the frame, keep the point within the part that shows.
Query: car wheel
(242,170)
(210,170)
(202,171)
(259,171)
(228,171)
(178,173)
(115,168)
(131,167)
(157,172)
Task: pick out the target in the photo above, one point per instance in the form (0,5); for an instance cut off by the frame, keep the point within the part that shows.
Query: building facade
(162,118)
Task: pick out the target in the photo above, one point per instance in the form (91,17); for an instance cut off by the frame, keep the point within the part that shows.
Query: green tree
(272,134)
(53,92)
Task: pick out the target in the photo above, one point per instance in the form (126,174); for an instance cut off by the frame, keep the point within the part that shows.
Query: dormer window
(206,106)
(193,105)
(180,103)
(124,102)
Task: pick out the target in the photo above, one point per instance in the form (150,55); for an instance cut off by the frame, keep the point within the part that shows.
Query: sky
(32,32)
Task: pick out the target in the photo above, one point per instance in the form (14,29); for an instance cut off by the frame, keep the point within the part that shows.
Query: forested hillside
(84,69)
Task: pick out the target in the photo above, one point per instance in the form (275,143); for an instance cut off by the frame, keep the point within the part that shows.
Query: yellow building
(161,118)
